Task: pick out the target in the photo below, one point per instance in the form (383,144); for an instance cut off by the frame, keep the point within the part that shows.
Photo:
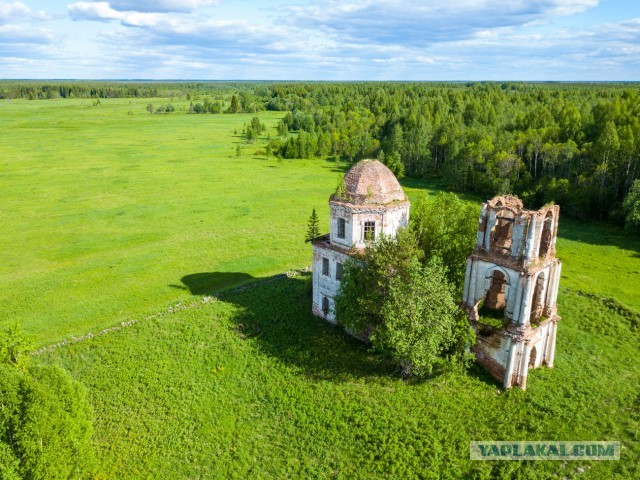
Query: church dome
(371,182)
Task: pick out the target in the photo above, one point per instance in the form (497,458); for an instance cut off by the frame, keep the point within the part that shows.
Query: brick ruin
(511,287)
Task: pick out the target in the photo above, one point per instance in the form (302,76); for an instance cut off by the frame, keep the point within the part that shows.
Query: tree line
(574,144)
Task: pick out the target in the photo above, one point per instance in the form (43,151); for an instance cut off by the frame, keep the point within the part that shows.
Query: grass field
(253,386)
(105,212)
(111,216)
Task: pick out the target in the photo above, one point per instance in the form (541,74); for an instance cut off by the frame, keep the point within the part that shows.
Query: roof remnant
(370,182)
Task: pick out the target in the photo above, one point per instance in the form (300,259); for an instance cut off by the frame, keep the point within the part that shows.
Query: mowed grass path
(104,212)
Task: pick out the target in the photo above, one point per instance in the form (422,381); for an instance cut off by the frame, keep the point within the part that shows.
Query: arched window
(495,298)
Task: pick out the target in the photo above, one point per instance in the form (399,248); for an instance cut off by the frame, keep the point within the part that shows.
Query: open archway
(492,308)
(502,232)
(537,304)
(547,233)
(495,297)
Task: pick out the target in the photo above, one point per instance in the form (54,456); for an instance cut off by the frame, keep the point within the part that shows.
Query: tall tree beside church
(313,229)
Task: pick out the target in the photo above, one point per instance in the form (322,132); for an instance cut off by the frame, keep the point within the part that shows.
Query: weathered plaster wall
(325,285)
(509,357)
(387,219)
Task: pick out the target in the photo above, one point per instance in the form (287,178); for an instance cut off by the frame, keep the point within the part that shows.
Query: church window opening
(338,271)
(502,232)
(369,231)
(325,304)
(547,230)
(341,228)
(325,266)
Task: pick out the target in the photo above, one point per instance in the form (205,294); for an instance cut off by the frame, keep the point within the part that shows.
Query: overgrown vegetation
(45,418)
(423,327)
(402,294)
(446,227)
(406,309)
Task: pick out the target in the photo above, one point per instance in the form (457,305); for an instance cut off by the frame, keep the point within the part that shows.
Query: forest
(575,144)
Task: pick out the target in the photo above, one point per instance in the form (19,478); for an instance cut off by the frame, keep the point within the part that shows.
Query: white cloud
(185,30)
(21,33)
(102,12)
(18,12)
(405,22)
(18,34)
(130,12)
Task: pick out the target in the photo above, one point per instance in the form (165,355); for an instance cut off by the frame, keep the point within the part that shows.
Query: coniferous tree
(312,227)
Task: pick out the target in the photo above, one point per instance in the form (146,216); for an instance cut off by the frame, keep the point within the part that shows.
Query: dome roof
(371,182)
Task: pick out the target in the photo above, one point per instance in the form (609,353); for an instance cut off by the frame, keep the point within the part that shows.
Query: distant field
(106,208)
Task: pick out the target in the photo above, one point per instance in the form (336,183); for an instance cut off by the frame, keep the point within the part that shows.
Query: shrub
(45,420)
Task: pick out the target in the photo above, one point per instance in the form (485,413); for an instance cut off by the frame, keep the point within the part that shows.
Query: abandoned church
(373,203)
(512,275)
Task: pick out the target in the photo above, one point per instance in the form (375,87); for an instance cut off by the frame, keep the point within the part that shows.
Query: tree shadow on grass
(478,372)
(210,283)
(276,316)
(339,165)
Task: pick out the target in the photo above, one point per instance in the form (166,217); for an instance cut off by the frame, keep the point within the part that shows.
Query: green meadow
(106,208)
(112,214)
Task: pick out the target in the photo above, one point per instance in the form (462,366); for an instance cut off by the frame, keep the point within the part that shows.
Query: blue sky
(322,39)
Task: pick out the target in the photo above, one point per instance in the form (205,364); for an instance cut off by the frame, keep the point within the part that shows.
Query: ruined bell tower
(511,287)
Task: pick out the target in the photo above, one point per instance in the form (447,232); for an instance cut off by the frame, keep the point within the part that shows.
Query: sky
(563,40)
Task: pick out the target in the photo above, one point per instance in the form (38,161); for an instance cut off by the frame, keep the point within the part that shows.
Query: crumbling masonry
(512,276)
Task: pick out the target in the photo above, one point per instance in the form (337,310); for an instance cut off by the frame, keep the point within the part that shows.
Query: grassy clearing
(253,386)
(600,259)
(106,211)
